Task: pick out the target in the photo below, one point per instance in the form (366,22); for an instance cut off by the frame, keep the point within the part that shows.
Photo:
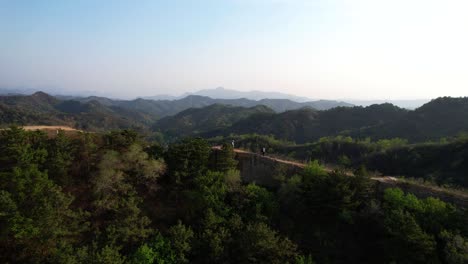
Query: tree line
(116,198)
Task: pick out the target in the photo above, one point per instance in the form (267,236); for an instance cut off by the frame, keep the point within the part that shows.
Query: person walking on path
(263,151)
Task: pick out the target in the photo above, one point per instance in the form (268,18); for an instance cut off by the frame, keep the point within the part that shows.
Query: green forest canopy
(114,198)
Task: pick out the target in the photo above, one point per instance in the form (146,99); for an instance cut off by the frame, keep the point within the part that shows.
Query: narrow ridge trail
(388,180)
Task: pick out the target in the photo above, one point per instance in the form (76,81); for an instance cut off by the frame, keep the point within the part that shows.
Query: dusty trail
(66,128)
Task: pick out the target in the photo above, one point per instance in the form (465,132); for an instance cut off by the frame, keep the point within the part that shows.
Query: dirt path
(295,163)
(301,165)
(66,128)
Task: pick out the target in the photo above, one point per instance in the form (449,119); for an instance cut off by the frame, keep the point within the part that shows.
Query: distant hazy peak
(223,93)
(40,94)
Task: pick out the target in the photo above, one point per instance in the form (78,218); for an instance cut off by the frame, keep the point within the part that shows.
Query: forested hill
(442,117)
(308,125)
(196,121)
(300,125)
(43,109)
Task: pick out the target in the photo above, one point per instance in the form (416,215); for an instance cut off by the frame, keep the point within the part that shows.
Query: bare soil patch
(65,128)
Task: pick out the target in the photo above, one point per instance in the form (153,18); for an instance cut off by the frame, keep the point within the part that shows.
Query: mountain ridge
(222,93)
(441,117)
(164,108)
(207,117)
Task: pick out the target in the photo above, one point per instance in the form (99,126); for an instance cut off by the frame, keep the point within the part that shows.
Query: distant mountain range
(222,93)
(101,113)
(57,92)
(441,117)
(207,117)
(162,108)
(408,104)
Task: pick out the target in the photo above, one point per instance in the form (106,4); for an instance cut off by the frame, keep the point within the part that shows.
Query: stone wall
(262,170)
(266,171)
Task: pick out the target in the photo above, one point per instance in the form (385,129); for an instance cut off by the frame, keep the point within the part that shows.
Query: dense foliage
(113,198)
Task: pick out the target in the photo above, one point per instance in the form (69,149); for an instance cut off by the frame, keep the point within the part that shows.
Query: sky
(321,49)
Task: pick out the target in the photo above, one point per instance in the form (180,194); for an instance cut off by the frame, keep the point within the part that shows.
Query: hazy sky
(332,49)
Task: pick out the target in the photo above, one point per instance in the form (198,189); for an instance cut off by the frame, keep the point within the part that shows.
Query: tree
(408,241)
(209,192)
(456,247)
(320,210)
(159,251)
(121,140)
(108,255)
(224,159)
(35,217)
(86,147)
(313,169)
(212,238)
(258,205)
(59,159)
(20,148)
(155,151)
(142,171)
(232,180)
(186,160)
(363,185)
(260,244)
(180,237)
(116,201)
(304,260)
(344,161)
